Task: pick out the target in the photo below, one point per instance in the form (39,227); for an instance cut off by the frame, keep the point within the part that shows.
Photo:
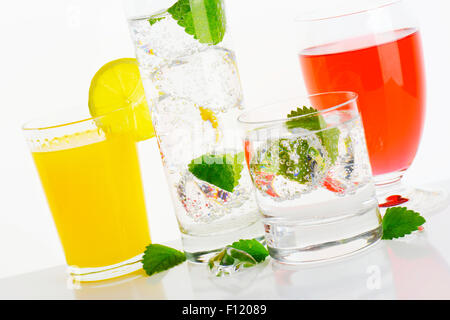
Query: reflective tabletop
(413,267)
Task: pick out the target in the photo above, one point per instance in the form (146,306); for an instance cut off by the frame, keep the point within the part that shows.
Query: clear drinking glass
(309,165)
(377,53)
(90,173)
(191,80)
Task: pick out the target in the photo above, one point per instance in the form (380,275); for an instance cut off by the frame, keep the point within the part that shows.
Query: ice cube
(209,78)
(205,202)
(182,133)
(286,168)
(162,42)
(351,169)
(230,261)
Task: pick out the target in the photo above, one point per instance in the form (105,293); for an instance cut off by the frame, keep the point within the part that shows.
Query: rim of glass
(351,13)
(354,97)
(28,126)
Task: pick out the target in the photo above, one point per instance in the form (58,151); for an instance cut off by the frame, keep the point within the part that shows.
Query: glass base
(294,243)
(200,249)
(424,201)
(393,192)
(77,274)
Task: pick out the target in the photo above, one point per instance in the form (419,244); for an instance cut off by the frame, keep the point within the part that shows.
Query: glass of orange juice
(90,173)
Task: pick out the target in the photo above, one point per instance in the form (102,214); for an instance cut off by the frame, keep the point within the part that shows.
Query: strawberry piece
(393,201)
(333,185)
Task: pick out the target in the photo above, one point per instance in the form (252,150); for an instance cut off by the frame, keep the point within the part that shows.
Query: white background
(51,49)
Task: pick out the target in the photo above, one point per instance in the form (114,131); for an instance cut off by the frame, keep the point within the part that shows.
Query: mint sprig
(252,247)
(158,258)
(223,171)
(309,119)
(230,260)
(399,221)
(203,19)
(303,169)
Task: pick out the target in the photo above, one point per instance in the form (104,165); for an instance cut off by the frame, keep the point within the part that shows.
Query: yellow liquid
(96,198)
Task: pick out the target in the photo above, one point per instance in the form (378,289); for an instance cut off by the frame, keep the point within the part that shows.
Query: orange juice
(94,190)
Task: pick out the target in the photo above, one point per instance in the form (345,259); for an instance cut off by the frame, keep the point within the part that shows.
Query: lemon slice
(118,85)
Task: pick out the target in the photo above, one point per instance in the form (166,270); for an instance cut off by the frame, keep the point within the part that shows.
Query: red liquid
(386,71)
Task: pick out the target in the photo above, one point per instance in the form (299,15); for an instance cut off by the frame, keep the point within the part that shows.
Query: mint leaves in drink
(399,221)
(299,160)
(203,19)
(223,171)
(309,119)
(154,20)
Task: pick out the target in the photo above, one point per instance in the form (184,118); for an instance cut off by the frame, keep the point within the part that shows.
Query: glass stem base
(391,191)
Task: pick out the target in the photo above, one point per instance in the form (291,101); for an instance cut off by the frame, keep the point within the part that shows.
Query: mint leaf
(399,221)
(158,258)
(181,12)
(300,169)
(309,120)
(152,21)
(252,247)
(209,20)
(230,260)
(203,19)
(223,171)
(293,159)
(312,121)
(330,141)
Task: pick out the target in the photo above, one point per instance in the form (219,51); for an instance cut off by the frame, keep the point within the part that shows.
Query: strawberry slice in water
(247,153)
(264,183)
(333,185)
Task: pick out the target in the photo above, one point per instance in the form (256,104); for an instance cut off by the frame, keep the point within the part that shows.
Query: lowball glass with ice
(310,168)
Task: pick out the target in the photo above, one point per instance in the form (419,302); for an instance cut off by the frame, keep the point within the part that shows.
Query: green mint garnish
(181,12)
(399,221)
(312,121)
(293,159)
(309,120)
(230,257)
(203,19)
(252,247)
(158,258)
(241,254)
(223,171)
(155,20)
(299,170)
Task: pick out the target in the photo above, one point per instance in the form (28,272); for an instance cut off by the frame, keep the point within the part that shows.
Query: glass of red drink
(377,53)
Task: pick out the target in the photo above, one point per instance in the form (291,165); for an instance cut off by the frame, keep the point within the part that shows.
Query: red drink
(386,70)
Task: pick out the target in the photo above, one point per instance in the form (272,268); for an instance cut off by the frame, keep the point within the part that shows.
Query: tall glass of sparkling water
(310,168)
(374,48)
(191,80)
